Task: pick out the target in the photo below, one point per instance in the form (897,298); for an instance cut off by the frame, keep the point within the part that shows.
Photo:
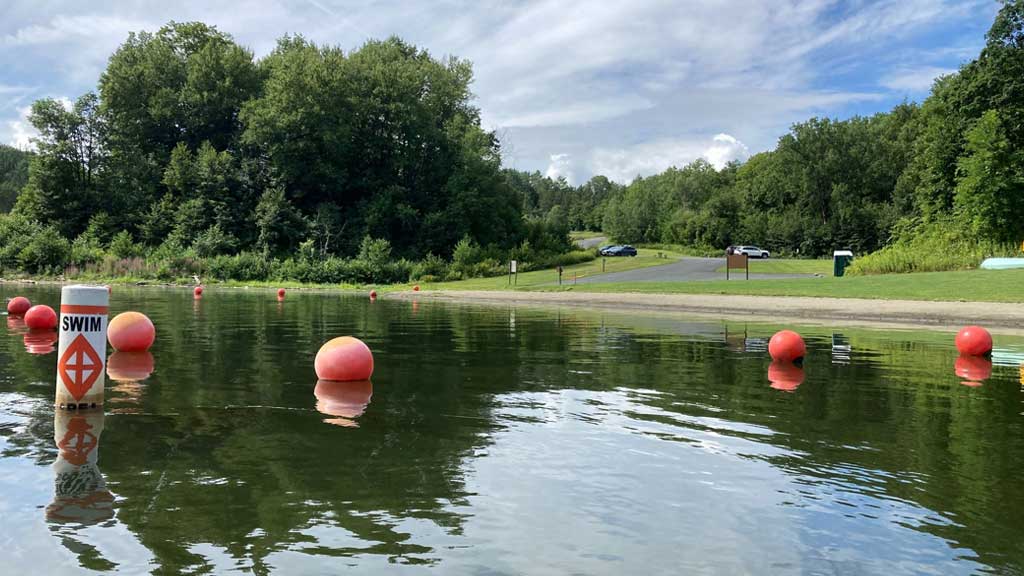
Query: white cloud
(20,132)
(914,81)
(561,167)
(724,149)
(625,164)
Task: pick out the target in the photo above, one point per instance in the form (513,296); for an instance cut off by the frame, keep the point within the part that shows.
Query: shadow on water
(510,440)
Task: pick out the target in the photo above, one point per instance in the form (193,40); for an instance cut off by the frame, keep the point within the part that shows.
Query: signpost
(513,272)
(737,261)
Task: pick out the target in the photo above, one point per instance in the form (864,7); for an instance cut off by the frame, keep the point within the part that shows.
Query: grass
(643,259)
(971,285)
(783,266)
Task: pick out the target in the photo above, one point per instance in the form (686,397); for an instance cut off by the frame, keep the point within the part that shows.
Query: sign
(512,267)
(82,347)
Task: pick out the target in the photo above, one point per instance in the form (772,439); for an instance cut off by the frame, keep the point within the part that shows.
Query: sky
(573,89)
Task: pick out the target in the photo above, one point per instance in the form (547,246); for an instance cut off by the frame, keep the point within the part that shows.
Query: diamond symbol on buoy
(79,367)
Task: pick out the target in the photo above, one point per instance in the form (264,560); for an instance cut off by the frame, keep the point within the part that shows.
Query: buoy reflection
(973,369)
(40,341)
(130,366)
(80,491)
(785,376)
(344,401)
(16,324)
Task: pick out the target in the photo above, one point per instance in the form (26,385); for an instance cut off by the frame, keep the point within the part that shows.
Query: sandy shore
(1007,317)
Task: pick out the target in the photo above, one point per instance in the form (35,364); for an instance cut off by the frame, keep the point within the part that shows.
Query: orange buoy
(197,292)
(280,292)
(973,368)
(343,399)
(344,359)
(974,341)
(786,346)
(130,366)
(785,376)
(416,288)
(373,294)
(131,332)
(40,342)
(41,317)
(18,306)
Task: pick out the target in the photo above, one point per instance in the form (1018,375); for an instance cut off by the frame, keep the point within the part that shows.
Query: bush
(47,252)
(15,233)
(244,267)
(86,249)
(122,245)
(935,247)
(432,266)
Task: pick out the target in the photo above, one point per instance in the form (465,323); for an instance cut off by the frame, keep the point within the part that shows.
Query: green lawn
(781,266)
(643,259)
(972,285)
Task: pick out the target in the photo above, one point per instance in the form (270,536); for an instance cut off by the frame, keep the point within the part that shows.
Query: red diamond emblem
(78,442)
(79,367)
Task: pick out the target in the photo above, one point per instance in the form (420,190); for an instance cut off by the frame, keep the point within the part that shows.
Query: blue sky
(573,88)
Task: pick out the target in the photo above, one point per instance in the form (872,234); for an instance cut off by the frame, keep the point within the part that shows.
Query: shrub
(46,252)
(935,247)
(86,249)
(122,245)
(431,266)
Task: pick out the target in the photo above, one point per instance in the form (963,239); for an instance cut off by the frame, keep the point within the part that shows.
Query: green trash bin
(840,260)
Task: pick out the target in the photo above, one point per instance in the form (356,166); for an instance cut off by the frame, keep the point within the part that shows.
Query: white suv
(752,251)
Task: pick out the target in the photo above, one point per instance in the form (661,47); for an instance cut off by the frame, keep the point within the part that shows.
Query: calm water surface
(509,441)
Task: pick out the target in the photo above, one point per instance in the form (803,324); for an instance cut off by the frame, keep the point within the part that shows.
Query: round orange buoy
(41,317)
(131,332)
(18,306)
(974,341)
(973,368)
(786,346)
(344,359)
(280,292)
(37,342)
(785,376)
(373,294)
(416,288)
(197,292)
(130,366)
(344,399)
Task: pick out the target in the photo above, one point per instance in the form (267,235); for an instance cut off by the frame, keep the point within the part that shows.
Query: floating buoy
(81,347)
(785,376)
(131,332)
(344,359)
(786,346)
(41,317)
(37,342)
(373,294)
(974,369)
(416,288)
(130,366)
(974,341)
(18,306)
(197,292)
(343,400)
(280,292)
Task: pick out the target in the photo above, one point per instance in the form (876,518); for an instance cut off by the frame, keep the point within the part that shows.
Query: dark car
(619,251)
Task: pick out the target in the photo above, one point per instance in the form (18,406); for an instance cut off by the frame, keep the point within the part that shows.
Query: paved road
(592,242)
(679,271)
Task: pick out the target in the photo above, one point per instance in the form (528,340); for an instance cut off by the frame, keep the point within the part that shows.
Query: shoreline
(1007,318)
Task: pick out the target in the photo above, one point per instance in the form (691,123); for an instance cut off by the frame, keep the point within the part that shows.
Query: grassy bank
(972,285)
(644,258)
(783,266)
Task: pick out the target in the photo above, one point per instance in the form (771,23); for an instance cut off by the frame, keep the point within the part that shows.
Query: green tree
(990,186)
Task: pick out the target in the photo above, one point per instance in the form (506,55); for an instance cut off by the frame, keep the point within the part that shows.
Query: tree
(990,185)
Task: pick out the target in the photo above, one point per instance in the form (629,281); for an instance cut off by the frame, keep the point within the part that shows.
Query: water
(511,441)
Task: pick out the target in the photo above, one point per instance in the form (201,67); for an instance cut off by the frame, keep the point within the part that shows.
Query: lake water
(509,441)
